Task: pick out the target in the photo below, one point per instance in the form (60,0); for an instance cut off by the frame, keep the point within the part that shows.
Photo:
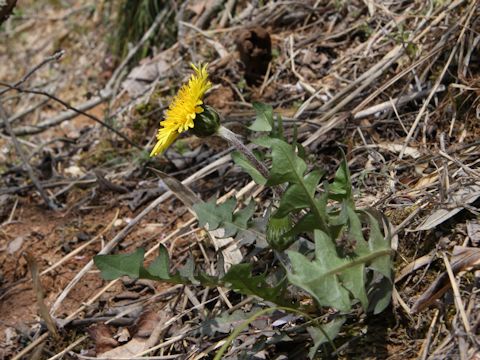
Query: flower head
(183,110)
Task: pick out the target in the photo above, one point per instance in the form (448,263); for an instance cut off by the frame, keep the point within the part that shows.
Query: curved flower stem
(233,139)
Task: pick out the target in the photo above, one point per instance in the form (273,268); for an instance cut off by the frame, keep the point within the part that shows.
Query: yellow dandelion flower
(182,111)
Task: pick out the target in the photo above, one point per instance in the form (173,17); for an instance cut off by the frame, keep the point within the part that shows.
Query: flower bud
(206,123)
(276,233)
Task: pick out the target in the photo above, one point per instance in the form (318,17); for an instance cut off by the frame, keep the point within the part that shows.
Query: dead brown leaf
(150,327)
(102,335)
(146,323)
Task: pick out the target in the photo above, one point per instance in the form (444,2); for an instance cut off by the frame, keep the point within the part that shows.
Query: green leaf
(240,278)
(297,197)
(377,241)
(295,142)
(223,323)
(241,217)
(279,129)
(319,277)
(286,165)
(115,266)
(341,188)
(381,291)
(251,170)
(161,265)
(264,119)
(380,295)
(301,152)
(355,228)
(221,216)
(333,280)
(216,216)
(307,223)
(186,274)
(327,333)
(276,230)
(353,279)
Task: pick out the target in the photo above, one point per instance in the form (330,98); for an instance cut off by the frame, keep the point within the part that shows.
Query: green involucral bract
(206,123)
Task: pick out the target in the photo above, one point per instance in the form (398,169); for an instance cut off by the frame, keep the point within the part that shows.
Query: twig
(31,346)
(457,296)
(397,77)
(329,125)
(12,213)
(78,111)
(227,13)
(459,163)
(45,185)
(64,116)
(387,105)
(54,57)
(22,113)
(160,357)
(39,292)
(209,12)
(426,343)
(49,202)
(364,80)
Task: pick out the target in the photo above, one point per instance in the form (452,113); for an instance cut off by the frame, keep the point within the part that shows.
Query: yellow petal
(183,109)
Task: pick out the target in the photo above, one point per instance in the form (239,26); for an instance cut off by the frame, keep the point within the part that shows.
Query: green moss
(100,154)
(242,84)
(366,30)
(181,146)
(275,53)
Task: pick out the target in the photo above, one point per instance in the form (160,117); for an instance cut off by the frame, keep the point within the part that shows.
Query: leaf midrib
(311,199)
(357,261)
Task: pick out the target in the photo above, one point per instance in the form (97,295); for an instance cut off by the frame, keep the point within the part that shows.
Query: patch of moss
(397,215)
(181,146)
(101,153)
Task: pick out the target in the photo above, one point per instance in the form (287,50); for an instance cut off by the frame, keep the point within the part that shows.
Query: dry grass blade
(458,297)
(227,245)
(184,193)
(464,259)
(426,343)
(420,114)
(39,292)
(68,348)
